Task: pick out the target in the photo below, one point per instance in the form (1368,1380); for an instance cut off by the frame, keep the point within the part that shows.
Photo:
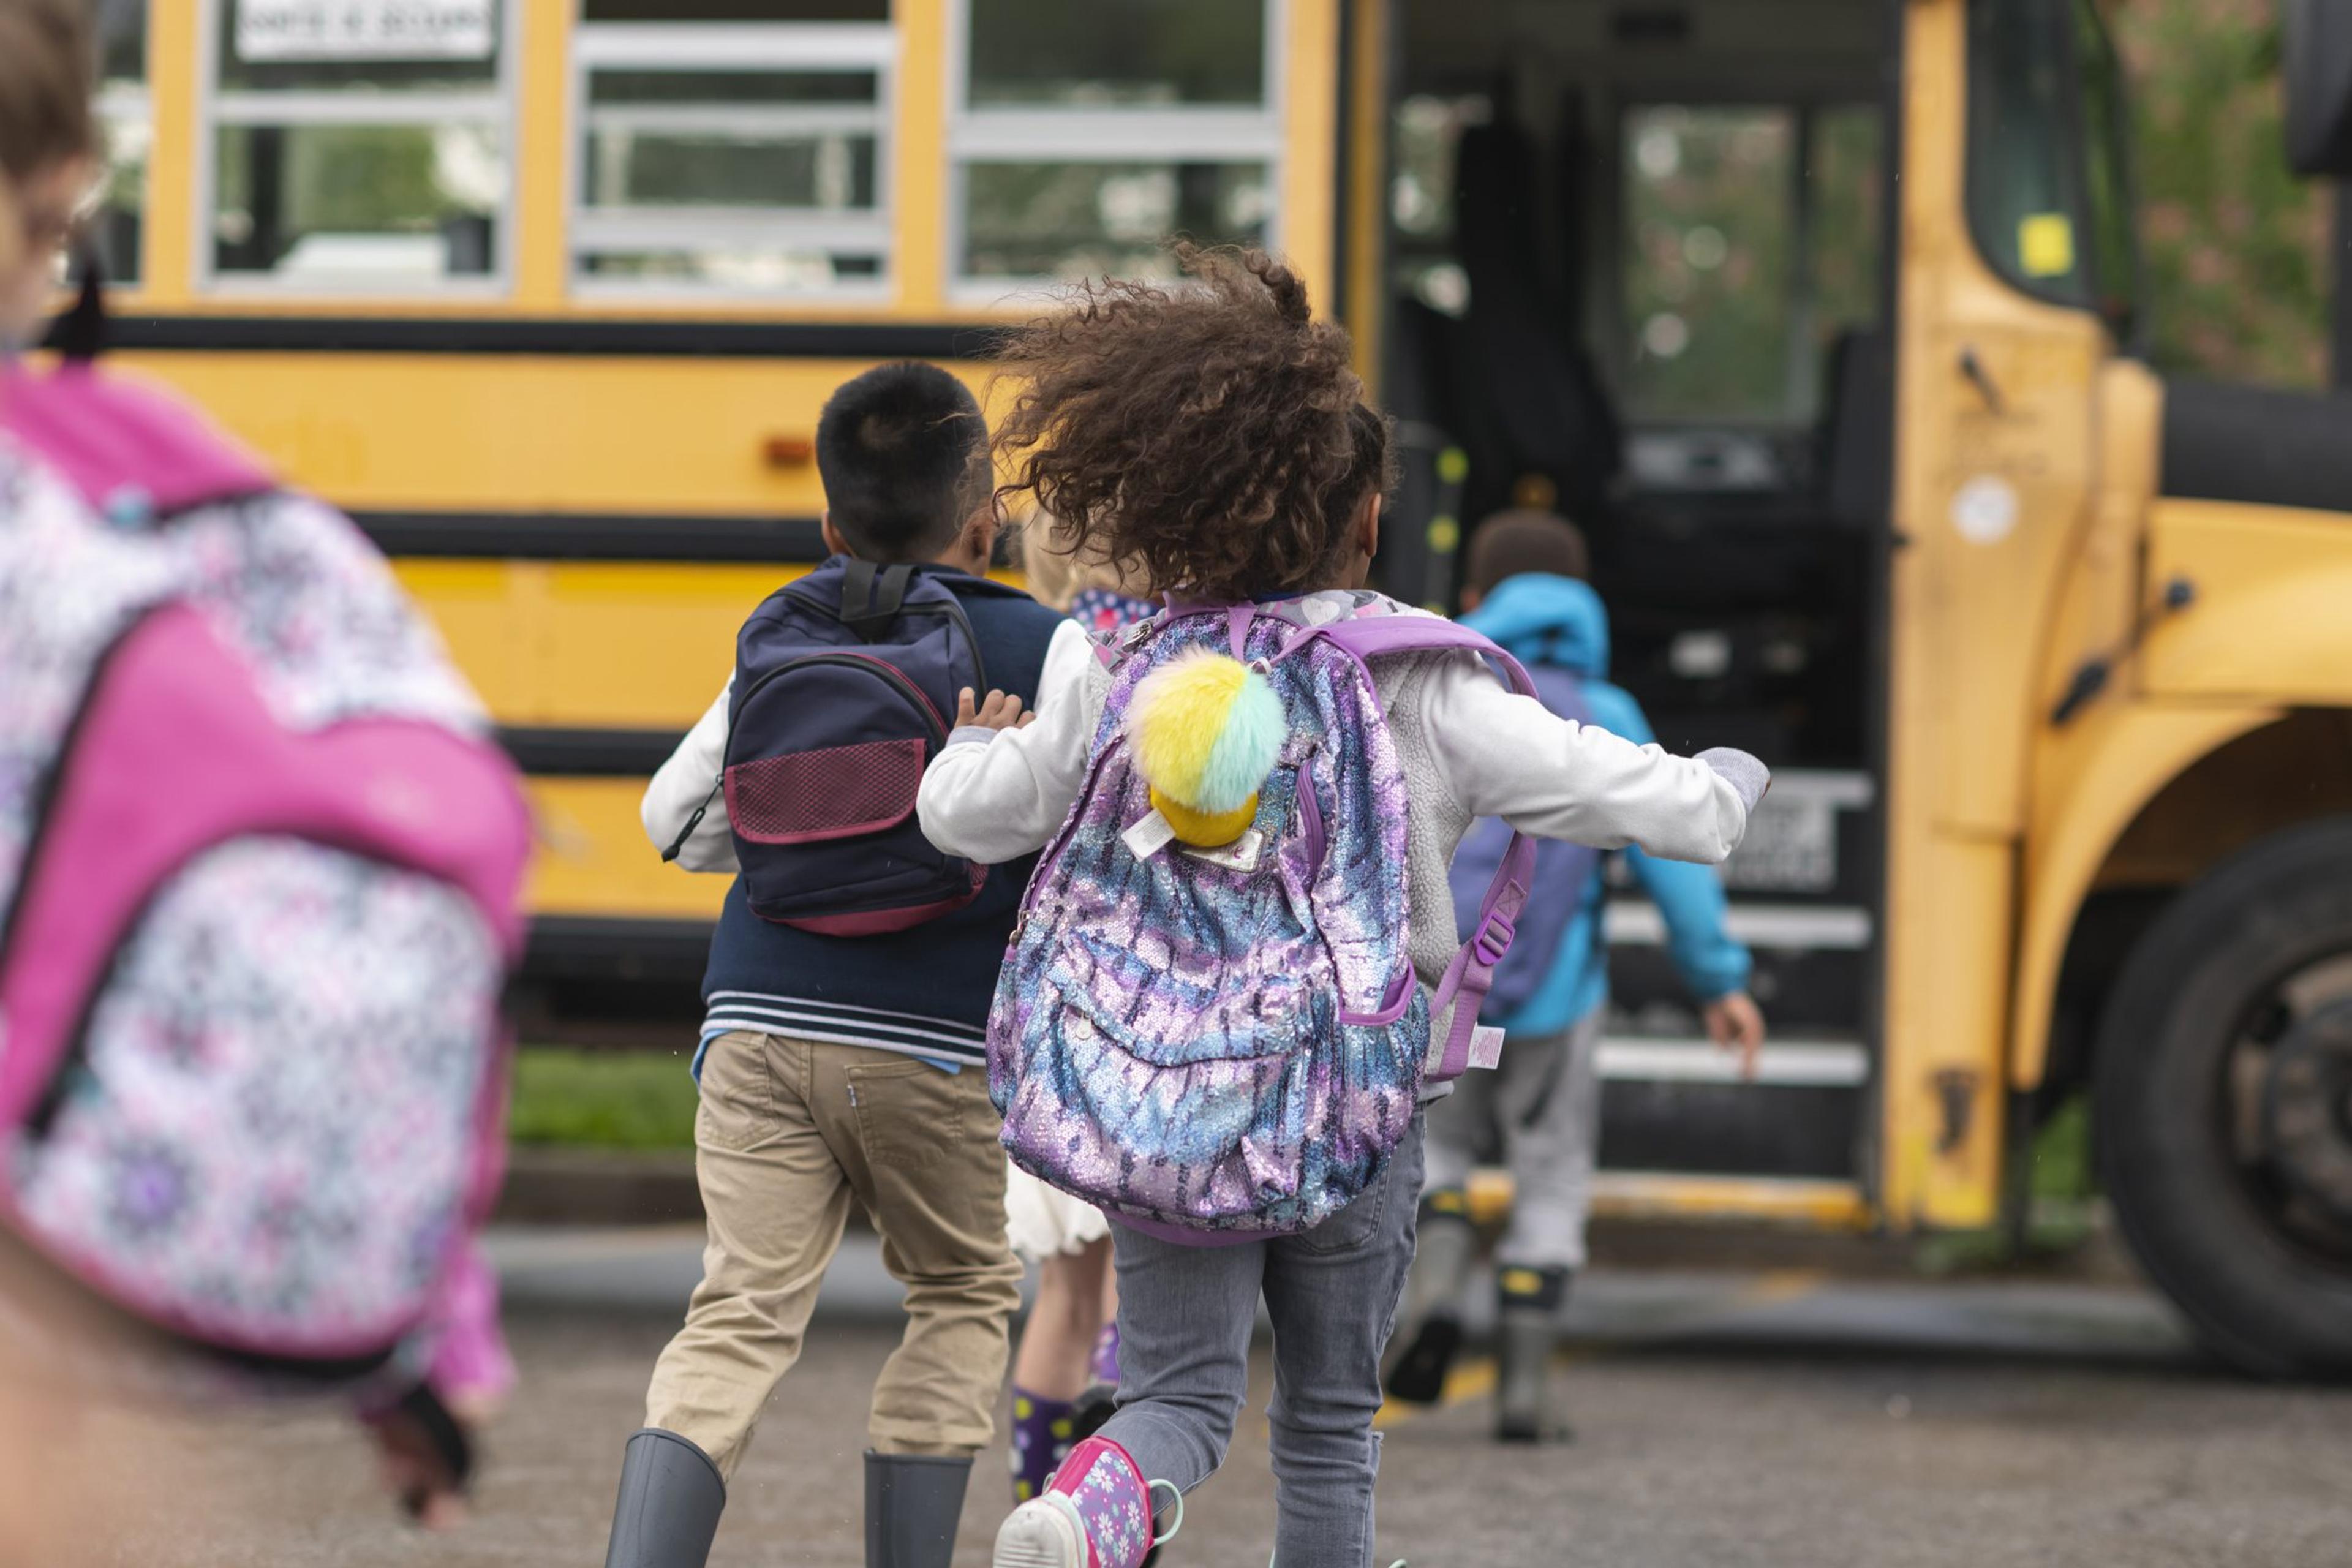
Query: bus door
(1635,272)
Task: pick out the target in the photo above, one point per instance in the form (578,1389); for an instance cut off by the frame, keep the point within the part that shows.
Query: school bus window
(1132,52)
(2107,136)
(1084,132)
(2024,195)
(1425,138)
(348,161)
(744,158)
(735,10)
(1043,220)
(1740,275)
(122,108)
(1843,201)
(1710,234)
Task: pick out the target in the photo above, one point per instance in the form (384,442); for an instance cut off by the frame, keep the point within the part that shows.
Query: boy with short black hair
(833,1066)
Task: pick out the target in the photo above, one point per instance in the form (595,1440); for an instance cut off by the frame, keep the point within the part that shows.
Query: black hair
(902,452)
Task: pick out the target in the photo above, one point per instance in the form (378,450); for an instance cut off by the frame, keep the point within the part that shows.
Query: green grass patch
(602,1099)
(2061,1205)
(2061,1152)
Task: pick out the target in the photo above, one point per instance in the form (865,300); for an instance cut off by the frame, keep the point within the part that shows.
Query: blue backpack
(1561,873)
(846,683)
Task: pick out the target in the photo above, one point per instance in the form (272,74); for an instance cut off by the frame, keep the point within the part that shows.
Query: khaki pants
(788,1131)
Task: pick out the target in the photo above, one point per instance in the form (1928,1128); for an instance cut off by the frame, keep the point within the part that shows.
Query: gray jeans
(1539,1113)
(1185,1314)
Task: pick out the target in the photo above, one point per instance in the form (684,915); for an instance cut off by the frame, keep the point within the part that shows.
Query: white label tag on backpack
(1149,835)
(1485,1047)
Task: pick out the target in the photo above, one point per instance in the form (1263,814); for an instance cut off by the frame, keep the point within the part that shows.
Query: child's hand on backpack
(1735,1023)
(1000,710)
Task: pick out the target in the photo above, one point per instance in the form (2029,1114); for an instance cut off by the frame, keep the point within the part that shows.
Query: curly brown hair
(1198,435)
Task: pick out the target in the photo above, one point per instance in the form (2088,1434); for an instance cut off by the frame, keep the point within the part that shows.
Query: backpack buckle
(1495,937)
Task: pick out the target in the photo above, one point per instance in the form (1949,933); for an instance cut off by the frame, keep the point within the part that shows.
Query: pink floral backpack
(259,868)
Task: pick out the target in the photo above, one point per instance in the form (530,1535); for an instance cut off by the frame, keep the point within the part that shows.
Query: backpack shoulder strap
(872,595)
(1463,988)
(131,452)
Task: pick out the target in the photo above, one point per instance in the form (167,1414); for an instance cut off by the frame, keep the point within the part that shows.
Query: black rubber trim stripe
(2262,446)
(509,335)
(552,752)
(589,947)
(573,536)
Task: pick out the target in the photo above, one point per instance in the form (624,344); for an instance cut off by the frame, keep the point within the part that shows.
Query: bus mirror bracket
(2092,676)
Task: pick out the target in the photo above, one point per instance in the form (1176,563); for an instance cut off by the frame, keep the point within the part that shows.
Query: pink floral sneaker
(1095,1513)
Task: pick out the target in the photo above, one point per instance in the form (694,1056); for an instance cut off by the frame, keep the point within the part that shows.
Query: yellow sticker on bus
(2045,245)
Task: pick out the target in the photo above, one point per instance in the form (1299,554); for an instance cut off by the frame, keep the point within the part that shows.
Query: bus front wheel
(2222,1103)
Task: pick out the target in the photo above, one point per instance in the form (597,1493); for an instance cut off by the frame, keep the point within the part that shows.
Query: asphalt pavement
(1722,1419)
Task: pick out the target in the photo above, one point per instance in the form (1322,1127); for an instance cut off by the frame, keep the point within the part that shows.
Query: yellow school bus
(1820,315)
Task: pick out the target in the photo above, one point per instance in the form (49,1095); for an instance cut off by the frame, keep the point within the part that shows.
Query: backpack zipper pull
(677,845)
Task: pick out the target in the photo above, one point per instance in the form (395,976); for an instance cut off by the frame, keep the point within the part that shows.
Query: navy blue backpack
(1554,892)
(845,684)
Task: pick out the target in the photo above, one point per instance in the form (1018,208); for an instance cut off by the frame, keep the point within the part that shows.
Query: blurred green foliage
(2238,251)
(606,1100)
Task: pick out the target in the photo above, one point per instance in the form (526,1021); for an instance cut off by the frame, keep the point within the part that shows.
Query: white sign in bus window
(364,29)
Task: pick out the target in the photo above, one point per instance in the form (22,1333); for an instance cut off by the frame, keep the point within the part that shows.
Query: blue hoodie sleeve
(1689,897)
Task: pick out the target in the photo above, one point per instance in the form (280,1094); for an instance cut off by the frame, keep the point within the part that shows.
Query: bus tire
(2263,1299)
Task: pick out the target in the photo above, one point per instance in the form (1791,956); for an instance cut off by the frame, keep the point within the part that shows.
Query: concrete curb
(549,1186)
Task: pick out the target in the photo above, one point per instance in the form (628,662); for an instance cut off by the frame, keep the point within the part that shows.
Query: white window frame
(1204,133)
(689,46)
(216,109)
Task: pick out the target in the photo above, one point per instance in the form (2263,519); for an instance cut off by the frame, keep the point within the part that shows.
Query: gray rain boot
(1526,1333)
(1446,1250)
(669,1502)
(913,1503)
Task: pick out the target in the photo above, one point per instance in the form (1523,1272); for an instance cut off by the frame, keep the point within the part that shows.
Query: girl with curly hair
(1211,437)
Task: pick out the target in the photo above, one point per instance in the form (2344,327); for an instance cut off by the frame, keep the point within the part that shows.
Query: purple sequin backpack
(1217,1044)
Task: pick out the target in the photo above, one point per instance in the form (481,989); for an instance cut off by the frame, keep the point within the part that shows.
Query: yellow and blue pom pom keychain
(1205,730)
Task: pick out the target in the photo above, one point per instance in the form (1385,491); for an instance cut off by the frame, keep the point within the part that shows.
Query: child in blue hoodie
(1541,1110)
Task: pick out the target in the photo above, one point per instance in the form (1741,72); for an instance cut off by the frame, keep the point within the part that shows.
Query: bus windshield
(2049,179)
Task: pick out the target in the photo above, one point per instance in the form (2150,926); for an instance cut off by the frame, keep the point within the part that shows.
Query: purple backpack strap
(1468,978)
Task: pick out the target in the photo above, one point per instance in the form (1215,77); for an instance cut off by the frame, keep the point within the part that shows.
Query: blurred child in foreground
(185,1214)
(1541,1113)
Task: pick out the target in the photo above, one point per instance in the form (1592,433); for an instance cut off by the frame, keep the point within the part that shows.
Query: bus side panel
(2272,617)
(526,432)
(593,645)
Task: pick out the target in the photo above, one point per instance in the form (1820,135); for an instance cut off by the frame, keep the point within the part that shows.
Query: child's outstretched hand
(1735,1023)
(1002,710)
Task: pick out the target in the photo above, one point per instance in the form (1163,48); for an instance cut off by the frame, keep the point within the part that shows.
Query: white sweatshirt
(1471,748)
(689,781)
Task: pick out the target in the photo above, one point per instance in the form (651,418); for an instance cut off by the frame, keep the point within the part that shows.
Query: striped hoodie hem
(941,1040)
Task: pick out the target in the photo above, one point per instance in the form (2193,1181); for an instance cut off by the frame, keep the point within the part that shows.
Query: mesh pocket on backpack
(836,792)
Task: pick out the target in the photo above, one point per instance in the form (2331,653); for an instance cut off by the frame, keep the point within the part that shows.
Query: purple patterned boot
(1095,1513)
(1104,1366)
(1043,1431)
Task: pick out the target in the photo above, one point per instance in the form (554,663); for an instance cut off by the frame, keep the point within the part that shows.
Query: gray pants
(1539,1113)
(1185,1315)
